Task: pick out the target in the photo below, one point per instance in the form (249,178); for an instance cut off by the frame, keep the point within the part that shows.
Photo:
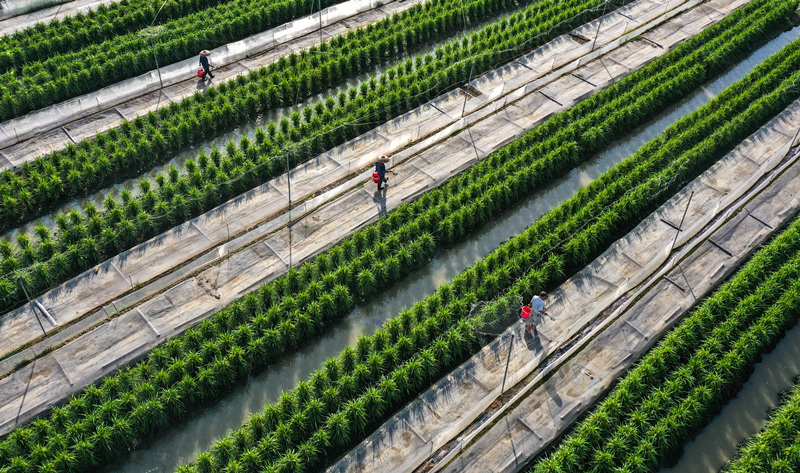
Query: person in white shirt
(537,312)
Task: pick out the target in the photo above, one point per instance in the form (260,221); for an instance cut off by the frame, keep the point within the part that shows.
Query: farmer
(380,170)
(537,312)
(204,64)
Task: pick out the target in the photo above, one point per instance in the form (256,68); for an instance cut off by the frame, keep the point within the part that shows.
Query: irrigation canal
(746,414)
(182,444)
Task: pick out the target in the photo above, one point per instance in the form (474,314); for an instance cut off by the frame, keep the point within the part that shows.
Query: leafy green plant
(172,207)
(776,448)
(209,359)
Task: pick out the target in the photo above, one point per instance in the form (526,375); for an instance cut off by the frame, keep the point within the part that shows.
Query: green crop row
(528,250)
(518,254)
(307,427)
(149,140)
(83,241)
(58,77)
(44,40)
(683,382)
(777,447)
(208,360)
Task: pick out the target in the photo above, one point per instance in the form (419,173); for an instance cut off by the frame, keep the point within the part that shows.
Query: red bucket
(526,312)
(376,177)
(200,73)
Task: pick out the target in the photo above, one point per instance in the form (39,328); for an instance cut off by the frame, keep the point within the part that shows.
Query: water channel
(745,414)
(182,444)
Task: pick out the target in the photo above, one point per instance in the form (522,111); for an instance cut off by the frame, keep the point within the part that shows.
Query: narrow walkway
(53,128)
(750,211)
(95,346)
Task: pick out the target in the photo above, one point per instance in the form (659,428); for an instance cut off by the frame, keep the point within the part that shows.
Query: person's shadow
(380,198)
(201,84)
(533,342)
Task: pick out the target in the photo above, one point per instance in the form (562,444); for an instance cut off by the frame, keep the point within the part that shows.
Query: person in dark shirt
(204,63)
(380,169)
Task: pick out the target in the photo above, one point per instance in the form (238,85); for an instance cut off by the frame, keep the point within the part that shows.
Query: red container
(376,177)
(526,312)
(200,73)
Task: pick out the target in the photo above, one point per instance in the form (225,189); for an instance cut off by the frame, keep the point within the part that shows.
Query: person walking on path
(205,65)
(537,313)
(380,170)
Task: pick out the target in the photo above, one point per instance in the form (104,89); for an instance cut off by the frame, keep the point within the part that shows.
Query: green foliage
(384,370)
(185,196)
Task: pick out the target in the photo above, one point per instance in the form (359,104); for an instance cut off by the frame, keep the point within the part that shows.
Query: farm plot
(293,78)
(498,281)
(222,177)
(630,295)
(525,283)
(689,375)
(321,431)
(428,124)
(81,376)
(65,65)
(181,305)
(559,396)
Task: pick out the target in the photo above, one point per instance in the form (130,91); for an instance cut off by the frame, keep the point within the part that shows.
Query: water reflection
(747,413)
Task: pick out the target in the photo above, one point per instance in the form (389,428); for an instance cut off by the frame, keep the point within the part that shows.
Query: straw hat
(383,158)
(205,52)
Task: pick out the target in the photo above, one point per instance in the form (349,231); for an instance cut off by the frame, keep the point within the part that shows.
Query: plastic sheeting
(28,126)
(16,15)
(221,269)
(12,8)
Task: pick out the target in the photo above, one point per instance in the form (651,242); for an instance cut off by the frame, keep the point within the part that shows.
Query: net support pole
(508,361)
(33,306)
